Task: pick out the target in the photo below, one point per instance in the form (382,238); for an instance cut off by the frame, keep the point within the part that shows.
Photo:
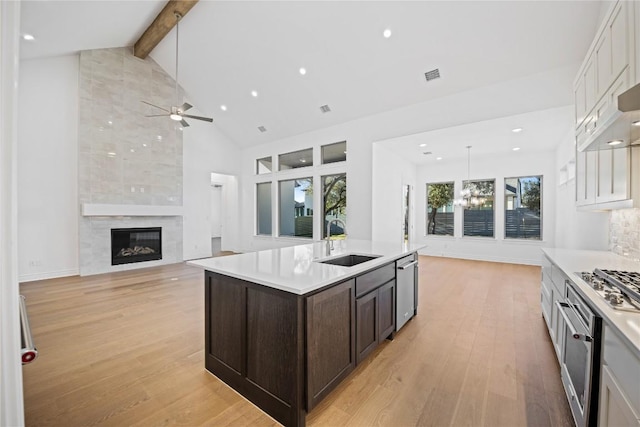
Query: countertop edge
(609,315)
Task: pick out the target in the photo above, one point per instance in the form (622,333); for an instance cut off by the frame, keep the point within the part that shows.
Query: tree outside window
(334,197)
(440,209)
(523,214)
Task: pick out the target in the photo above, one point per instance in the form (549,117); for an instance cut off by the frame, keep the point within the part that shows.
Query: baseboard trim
(48,275)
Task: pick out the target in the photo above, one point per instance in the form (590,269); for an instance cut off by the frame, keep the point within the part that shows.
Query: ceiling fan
(177,113)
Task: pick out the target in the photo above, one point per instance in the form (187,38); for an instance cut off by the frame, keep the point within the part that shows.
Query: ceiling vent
(426,153)
(262,128)
(325,108)
(432,75)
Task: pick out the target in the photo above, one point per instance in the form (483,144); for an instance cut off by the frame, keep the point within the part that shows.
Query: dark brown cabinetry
(375,318)
(330,340)
(286,352)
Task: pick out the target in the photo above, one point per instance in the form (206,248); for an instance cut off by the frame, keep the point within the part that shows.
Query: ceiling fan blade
(184,123)
(148,103)
(206,119)
(157,115)
(185,106)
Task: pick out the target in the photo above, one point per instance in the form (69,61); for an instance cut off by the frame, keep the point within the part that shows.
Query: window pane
(333,153)
(334,194)
(523,216)
(478,215)
(440,209)
(297,159)
(263,191)
(264,165)
(296,207)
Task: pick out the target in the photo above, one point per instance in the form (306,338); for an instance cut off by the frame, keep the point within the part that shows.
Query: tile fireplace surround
(126,159)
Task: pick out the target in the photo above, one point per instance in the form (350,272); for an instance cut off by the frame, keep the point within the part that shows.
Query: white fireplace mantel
(95,209)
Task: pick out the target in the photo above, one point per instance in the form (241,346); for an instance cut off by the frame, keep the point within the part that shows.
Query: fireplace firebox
(135,245)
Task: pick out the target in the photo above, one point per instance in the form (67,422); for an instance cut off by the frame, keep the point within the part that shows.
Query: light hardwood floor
(127,349)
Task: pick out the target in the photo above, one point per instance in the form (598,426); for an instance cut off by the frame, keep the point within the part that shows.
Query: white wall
(207,150)
(574,229)
(48,168)
(498,167)
(11,401)
(550,89)
(390,173)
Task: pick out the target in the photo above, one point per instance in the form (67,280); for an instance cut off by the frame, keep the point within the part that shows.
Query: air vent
(262,128)
(325,108)
(432,75)
(426,153)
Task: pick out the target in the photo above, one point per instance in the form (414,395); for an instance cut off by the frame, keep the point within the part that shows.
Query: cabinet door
(386,310)
(586,177)
(366,325)
(590,84)
(620,35)
(603,61)
(330,339)
(614,409)
(580,101)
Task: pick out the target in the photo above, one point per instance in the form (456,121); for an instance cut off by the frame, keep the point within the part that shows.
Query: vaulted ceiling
(230,48)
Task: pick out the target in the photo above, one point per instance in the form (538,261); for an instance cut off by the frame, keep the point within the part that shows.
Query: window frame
(279,209)
(493,208)
(453,193)
(306,164)
(524,239)
(322,147)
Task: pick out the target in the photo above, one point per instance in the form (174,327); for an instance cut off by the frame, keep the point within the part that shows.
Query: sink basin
(349,260)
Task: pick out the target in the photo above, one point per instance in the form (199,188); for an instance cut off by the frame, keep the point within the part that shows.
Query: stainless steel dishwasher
(406,289)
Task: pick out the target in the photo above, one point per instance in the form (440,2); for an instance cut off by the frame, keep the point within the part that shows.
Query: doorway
(216,219)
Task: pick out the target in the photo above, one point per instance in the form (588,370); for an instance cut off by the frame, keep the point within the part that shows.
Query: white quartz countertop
(295,268)
(573,261)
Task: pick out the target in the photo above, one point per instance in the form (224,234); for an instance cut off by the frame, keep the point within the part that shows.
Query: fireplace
(135,245)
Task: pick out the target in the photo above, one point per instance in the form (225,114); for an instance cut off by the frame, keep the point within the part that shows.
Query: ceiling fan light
(176,117)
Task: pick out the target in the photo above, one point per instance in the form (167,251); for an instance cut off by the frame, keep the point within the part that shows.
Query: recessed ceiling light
(159,137)
(438,158)
(303,71)
(110,122)
(636,123)
(423,145)
(516,130)
(386,33)
(180,128)
(254,93)
(144,145)
(223,107)
(516,148)
(28,37)
(615,142)
(132,150)
(303,160)
(111,154)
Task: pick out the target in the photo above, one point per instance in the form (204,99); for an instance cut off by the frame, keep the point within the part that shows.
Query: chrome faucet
(328,238)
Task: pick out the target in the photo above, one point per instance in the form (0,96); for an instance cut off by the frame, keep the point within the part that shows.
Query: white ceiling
(229,48)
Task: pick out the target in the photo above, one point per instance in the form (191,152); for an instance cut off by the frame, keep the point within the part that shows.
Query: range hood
(621,128)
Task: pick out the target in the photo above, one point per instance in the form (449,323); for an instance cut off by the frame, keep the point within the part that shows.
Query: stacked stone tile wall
(624,233)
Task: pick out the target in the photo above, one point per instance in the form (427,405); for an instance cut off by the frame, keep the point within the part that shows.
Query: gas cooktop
(621,289)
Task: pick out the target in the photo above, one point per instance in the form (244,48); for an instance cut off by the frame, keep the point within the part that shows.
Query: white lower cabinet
(552,289)
(619,384)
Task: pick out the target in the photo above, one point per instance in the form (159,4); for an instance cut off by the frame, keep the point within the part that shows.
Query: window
(297,159)
(523,216)
(440,209)
(334,196)
(478,215)
(263,202)
(296,207)
(333,153)
(264,165)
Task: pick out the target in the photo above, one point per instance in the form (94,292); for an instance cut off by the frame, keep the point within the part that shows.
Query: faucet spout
(328,238)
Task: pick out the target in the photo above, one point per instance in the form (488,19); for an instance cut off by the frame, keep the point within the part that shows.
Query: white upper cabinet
(610,60)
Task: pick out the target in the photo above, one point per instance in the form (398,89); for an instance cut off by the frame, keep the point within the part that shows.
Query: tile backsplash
(624,233)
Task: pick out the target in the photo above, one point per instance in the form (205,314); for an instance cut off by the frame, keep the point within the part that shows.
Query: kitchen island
(284,327)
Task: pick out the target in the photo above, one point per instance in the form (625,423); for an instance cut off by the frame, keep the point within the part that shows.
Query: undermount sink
(349,260)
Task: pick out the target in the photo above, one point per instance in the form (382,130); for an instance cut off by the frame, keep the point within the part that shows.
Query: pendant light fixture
(468,198)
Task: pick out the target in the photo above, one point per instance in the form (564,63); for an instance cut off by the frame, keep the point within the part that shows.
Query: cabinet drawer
(373,279)
(618,358)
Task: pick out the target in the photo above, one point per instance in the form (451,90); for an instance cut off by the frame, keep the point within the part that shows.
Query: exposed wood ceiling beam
(161,26)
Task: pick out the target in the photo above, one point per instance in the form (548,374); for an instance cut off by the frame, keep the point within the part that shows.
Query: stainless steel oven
(581,357)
